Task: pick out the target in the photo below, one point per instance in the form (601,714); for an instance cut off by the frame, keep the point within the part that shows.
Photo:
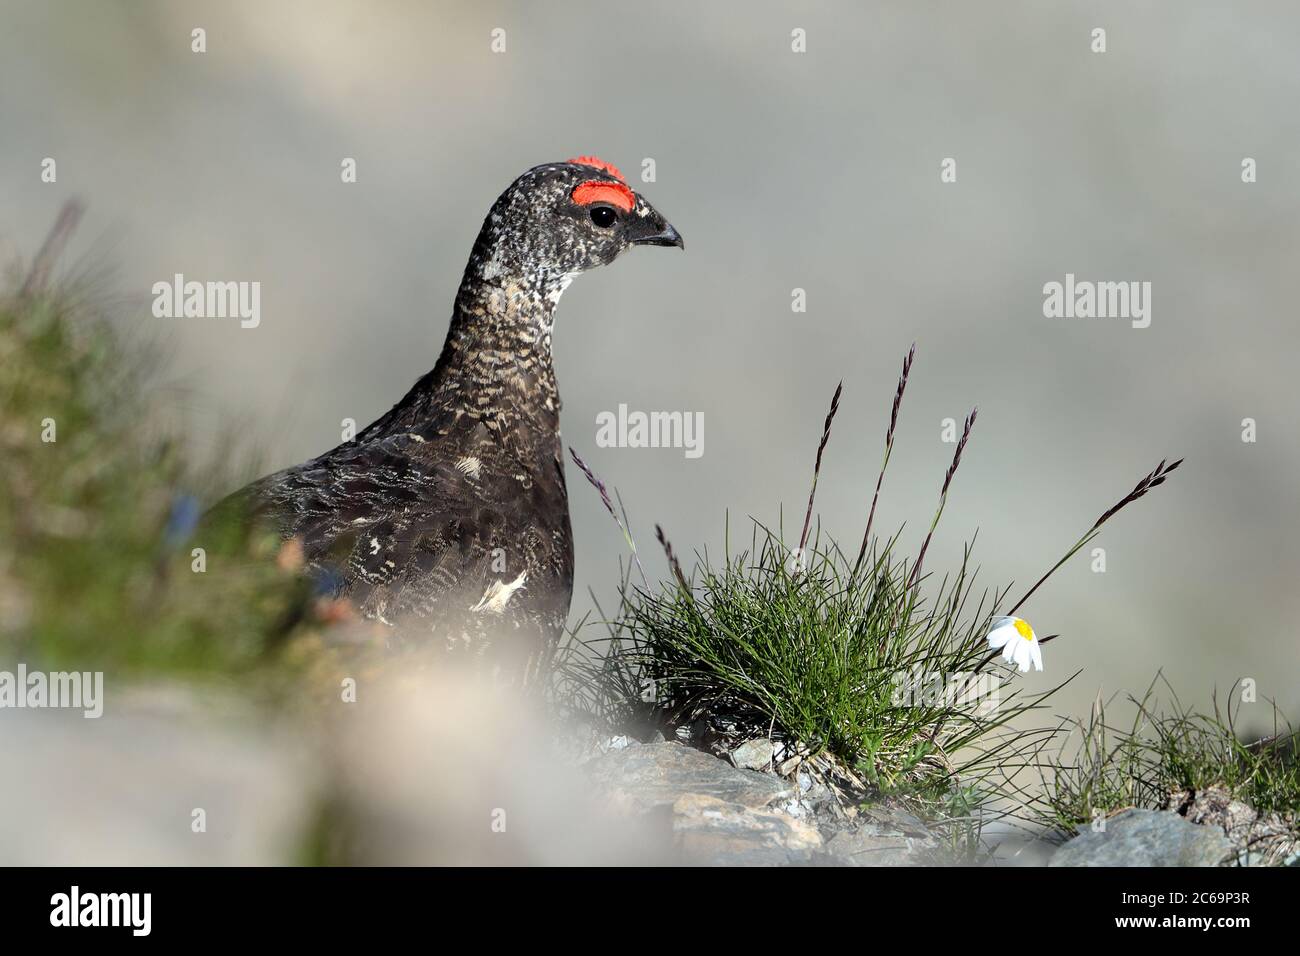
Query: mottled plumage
(448,516)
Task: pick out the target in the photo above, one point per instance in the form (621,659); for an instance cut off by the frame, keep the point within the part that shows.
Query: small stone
(788,767)
(1145,838)
(616,743)
(753,754)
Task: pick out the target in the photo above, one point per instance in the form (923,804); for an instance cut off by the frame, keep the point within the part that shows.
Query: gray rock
(645,777)
(862,848)
(789,766)
(717,814)
(883,836)
(1145,838)
(754,754)
(889,820)
(712,832)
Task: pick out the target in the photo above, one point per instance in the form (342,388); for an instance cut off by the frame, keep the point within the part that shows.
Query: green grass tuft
(898,690)
(1167,751)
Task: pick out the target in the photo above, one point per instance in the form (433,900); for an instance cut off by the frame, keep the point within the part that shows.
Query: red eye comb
(616,194)
(598,163)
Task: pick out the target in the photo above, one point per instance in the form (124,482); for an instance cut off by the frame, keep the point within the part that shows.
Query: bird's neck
(496,363)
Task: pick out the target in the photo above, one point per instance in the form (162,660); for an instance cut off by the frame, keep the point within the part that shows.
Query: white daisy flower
(1017,641)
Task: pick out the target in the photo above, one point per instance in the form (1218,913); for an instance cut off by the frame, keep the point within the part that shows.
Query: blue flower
(182,521)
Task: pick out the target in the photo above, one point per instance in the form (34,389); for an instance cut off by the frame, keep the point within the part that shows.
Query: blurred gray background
(818,171)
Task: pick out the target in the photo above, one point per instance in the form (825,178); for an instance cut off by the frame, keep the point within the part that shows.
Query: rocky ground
(1209,828)
(451,774)
(722,813)
(715,813)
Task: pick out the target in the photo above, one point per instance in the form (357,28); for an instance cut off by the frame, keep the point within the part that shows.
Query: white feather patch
(469,466)
(498,594)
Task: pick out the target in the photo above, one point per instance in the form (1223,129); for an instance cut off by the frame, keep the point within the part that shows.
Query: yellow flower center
(1023,627)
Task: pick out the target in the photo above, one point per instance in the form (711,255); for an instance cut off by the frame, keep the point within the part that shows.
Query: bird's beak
(667,236)
(654,230)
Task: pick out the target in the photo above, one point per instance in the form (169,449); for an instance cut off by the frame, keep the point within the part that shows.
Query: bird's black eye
(603,216)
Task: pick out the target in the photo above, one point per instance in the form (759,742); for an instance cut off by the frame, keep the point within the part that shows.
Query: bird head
(560,219)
